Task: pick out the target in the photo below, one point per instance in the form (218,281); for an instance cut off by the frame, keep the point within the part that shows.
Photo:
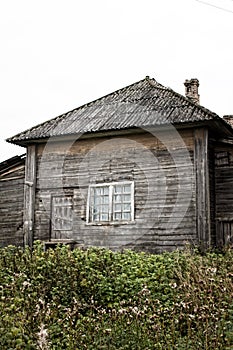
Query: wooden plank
(202,187)
(29,195)
(11,207)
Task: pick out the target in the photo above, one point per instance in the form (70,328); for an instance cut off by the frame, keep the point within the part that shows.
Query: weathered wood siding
(29,195)
(201,147)
(224,193)
(212,194)
(11,206)
(163,187)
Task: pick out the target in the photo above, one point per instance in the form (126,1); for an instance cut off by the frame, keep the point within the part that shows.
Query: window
(112,202)
(62,216)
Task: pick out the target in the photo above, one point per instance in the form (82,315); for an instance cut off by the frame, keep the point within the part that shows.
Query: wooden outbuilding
(12,174)
(143,168)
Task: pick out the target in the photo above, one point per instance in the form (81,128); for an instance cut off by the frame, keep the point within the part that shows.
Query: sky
(59,54)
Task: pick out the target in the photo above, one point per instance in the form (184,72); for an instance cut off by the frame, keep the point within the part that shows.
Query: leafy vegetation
(99,299)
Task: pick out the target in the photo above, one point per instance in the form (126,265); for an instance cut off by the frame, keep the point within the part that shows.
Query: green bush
(99,299)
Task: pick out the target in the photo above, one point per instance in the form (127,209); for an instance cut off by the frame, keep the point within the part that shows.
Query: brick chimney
(191,90)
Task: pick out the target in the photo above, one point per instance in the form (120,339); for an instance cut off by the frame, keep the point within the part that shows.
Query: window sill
(111,223)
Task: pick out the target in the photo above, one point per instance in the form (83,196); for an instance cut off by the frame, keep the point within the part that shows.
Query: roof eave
(217,125)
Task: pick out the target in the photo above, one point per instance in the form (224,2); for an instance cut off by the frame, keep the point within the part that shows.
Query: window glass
(118,188)
(127,189)
(61,216)
(126,198)
(117,216)
(118,207)
(110,202)
(126,216)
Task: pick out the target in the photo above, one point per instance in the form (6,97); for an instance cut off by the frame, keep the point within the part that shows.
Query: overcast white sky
(59,54)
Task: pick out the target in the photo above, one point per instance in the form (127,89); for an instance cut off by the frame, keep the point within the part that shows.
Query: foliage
(99,299)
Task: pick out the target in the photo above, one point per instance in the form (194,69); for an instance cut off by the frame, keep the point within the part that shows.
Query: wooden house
(12,174)
(143,168)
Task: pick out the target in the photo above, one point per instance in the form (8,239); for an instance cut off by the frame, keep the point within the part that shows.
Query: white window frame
(63,206)
(111,212)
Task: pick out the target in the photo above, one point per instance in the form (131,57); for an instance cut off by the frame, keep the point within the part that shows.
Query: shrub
(99,299)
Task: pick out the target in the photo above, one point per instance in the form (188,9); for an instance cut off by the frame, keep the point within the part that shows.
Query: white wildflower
(108,330)
(42,338)
(122,311)
(191,316)
(26,284)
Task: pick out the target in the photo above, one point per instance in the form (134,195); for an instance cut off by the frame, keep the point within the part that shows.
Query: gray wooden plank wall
(211,159)
(11,207)
(224,194)
(224,182)
(83,165)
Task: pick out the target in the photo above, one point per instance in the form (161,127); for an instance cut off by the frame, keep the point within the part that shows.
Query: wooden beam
(29,195)
(202,187)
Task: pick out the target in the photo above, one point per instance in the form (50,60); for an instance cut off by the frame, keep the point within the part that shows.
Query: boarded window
(112,202)
(62,216)
(222,159)
(225,231)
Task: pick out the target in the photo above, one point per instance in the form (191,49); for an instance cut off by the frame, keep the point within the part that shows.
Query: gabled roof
(12,163)
(142,104)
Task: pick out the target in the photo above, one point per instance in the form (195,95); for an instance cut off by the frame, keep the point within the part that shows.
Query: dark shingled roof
(10,163)
(142,104)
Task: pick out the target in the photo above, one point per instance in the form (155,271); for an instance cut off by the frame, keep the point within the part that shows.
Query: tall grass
(97,299)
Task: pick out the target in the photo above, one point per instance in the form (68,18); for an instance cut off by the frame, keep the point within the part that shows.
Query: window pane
(127,207)
(104,209)
(127,198)
(96,209)
(127,188)
(104,217)
(105,199)
(97,191)
(118,188)
(97,200)
(106,190)
(96,217)
(117,207)
(117,216)
(126,216)
(117,198)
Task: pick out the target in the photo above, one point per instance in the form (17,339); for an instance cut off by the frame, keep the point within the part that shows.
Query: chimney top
(191,90)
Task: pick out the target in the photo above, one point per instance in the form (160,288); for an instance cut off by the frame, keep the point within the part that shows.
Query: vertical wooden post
(202,188)
(29,195)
